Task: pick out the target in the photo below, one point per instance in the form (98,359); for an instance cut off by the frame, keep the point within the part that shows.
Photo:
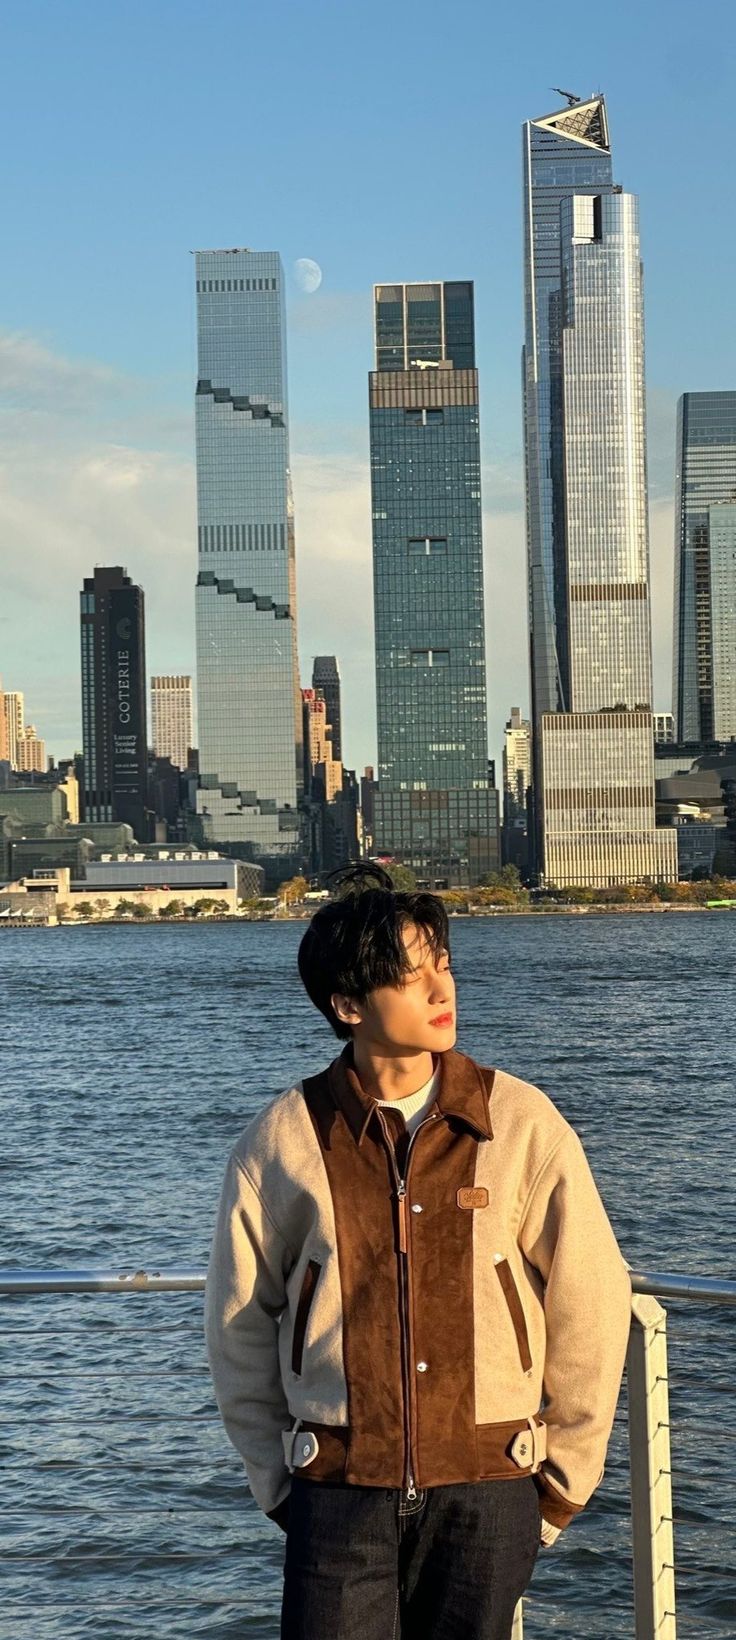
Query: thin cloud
(34,376)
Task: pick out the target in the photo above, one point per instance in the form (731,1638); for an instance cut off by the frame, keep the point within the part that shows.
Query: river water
(130,1057)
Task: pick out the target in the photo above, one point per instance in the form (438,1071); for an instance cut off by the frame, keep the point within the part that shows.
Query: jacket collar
(462,1093)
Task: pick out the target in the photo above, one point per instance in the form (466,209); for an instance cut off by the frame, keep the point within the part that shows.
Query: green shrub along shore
(501,892)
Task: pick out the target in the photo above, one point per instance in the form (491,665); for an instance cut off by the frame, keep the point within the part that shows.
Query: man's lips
(441,1019)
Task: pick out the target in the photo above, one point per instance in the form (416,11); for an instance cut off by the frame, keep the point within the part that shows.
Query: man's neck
(385,1076)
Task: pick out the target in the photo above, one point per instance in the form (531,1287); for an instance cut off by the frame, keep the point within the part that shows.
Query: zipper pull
(411,1491)
(401,1195)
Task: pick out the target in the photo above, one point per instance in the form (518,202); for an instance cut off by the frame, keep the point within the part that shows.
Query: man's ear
(347,1009)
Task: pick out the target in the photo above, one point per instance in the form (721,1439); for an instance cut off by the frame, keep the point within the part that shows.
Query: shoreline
(651,907)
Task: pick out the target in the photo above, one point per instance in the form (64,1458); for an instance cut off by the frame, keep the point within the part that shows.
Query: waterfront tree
(293,891)
(402,877)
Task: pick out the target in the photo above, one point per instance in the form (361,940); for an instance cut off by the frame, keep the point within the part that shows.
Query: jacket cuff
(280,1514)
(553,1507)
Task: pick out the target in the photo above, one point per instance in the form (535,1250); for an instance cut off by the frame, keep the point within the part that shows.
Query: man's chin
(440,1038)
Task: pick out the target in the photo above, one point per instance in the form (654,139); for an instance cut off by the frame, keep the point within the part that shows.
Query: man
(417,1312)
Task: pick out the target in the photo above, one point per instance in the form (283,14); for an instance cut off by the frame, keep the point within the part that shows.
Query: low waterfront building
(29,901)
(175,871)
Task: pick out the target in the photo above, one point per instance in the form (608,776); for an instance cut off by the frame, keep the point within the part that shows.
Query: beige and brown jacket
(455,1315)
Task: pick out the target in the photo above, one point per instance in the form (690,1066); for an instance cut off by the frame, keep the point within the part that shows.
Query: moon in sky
(308,274)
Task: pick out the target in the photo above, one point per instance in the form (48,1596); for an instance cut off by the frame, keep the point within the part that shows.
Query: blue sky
(383,141)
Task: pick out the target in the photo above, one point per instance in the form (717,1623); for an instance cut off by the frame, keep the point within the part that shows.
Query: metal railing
(648,1407)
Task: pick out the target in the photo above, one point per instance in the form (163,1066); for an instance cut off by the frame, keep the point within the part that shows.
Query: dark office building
(114,700)
(435,810)
(706,483)
(326,679)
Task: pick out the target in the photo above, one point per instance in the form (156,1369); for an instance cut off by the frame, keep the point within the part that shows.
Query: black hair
(354,944)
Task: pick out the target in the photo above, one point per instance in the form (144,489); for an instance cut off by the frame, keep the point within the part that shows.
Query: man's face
(416,1015)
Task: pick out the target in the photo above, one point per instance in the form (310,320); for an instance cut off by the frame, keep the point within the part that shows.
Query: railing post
(651,1475)
(517,1632)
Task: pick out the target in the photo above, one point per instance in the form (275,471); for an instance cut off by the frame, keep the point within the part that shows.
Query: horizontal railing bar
(664,1284)
(101,1281)
(667,1284)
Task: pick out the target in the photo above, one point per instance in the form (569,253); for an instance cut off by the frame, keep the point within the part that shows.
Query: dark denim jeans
(362,1563)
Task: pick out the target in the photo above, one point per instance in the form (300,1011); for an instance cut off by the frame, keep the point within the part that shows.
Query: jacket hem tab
(529,1448)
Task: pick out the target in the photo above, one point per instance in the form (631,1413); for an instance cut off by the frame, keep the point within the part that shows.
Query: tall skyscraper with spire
(436,809)
(588,550)
(248,693)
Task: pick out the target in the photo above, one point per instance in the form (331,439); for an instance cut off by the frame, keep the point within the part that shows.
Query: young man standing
(417,1312)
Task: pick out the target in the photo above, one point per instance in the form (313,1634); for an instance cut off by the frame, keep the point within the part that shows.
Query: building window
(430,657)
(424,417)
(428,546)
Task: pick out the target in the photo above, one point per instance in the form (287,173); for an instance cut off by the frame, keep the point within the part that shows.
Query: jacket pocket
(515,1309)
(306,1296)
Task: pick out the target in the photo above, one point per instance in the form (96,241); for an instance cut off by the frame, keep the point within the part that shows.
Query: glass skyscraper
(588,553)
(249,700)
(722,566)
(435,809)
(705,477)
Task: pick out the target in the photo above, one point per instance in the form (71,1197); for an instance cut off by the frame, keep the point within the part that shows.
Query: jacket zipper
(409,1486)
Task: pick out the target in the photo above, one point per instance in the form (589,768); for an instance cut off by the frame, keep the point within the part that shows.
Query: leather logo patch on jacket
(468,1197)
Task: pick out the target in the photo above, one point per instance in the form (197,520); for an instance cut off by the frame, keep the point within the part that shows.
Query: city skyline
(119,351)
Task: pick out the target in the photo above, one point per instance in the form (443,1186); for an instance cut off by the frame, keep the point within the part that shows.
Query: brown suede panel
(438,1403)
(362,1189)
(441,1162)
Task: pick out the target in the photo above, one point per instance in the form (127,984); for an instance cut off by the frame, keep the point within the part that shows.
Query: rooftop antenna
(570,96)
